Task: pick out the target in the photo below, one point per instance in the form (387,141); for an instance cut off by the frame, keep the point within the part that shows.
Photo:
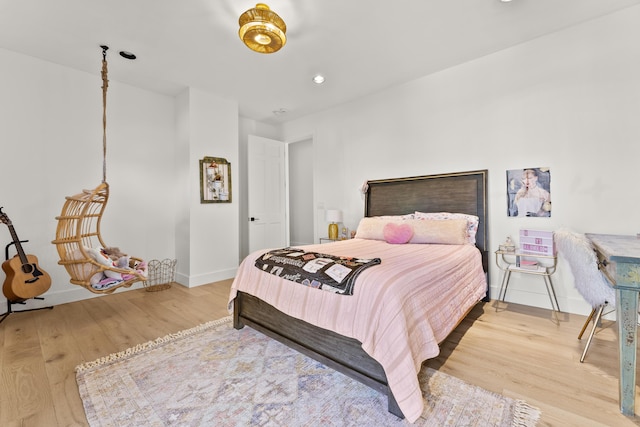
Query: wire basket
(161,274)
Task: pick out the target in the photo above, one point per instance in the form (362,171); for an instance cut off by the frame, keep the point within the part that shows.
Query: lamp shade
(262,30)
(333,215)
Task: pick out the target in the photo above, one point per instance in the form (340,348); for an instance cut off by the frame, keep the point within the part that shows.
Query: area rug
(214,375)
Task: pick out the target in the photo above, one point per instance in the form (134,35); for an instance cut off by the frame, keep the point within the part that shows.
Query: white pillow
(372,228)
(472,221)
(450,232)
(100,258)
(395,217)
(86,267)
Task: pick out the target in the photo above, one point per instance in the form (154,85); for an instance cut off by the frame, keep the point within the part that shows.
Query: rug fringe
(525,415)
(149,345)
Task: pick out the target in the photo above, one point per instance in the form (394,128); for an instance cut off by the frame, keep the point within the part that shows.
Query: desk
(619,260)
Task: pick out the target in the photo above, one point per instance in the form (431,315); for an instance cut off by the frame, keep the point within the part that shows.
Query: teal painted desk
(619,260)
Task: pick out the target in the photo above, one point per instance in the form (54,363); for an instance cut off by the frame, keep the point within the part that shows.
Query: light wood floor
(518,351)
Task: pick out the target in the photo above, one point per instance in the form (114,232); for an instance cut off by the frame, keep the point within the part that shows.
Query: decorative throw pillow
(87,268)
(371,228)
(444,232)
(100,258)
(472,221)
(396,217)
(397,233)
(448,232)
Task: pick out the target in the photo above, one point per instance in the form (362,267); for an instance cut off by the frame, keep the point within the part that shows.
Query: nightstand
(545,266)
(327,240)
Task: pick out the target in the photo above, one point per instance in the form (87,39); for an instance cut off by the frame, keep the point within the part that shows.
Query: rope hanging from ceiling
(105,86)
(80,245)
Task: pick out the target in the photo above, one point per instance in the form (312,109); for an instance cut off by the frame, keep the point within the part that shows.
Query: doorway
(301,218)
(266,171)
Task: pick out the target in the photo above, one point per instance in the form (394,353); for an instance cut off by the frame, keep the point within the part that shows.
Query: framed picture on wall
(529,192)
(215,180)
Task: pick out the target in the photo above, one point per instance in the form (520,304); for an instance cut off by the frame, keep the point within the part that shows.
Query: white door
(267,195)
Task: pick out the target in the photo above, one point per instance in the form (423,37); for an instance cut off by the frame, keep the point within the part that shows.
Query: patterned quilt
(331,273)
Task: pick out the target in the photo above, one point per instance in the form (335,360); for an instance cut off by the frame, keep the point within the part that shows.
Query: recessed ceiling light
(127,55)
(318,79)
(505,1)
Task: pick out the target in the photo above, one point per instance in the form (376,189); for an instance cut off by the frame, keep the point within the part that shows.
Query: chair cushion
(589,280)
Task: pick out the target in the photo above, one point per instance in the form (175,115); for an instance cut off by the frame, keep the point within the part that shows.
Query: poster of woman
(529,192)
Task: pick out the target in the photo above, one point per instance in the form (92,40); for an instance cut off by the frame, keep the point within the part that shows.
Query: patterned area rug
(214,375)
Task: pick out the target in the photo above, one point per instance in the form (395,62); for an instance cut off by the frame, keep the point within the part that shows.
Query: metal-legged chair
(589,280)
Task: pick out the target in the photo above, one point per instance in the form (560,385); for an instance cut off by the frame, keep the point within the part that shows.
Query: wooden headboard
(463,192)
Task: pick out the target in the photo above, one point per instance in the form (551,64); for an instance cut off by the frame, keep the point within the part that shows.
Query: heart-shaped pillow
(397,233)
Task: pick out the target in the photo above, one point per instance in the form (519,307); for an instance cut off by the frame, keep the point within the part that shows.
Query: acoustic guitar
(25,279)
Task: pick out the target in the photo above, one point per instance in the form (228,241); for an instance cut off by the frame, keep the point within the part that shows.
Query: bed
(351,333)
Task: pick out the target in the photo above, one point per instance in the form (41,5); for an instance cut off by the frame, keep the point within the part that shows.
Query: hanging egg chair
(83,253)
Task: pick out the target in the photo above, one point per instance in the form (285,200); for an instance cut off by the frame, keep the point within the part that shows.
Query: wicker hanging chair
(78,232)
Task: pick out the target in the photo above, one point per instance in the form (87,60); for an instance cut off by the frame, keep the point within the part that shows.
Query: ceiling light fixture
(262,30)
(318,79)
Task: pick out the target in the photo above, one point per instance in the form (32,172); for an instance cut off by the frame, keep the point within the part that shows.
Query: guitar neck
(16,241)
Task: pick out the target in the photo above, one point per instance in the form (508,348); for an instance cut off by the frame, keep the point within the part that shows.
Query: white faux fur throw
(589,280)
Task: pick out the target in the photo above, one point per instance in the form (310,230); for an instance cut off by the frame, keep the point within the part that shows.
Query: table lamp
(333,216)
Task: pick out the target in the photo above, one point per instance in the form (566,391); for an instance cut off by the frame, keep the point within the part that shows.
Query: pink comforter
(400,309)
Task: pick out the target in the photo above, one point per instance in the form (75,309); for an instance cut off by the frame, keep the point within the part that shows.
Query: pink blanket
(400,310)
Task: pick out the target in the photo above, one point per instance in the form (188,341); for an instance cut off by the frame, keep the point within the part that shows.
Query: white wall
(207,233)
(51,147)
(569,101)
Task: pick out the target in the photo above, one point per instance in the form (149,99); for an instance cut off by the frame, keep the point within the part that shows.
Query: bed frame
(464,192)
